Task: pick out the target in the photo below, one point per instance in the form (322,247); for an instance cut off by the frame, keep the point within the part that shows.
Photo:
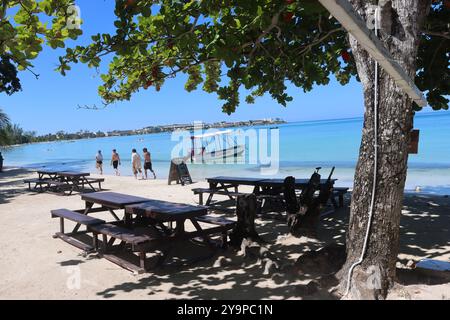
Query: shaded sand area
(36,266)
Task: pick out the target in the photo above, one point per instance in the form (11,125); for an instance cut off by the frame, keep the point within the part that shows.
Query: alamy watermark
(73,17)
(374,278)
(237,146)
(74,280)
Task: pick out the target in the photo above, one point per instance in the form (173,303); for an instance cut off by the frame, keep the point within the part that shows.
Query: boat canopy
(211,134)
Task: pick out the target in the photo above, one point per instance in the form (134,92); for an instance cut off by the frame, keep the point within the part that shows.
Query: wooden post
(142,258)
(61,224)
(95,240)
(246,208)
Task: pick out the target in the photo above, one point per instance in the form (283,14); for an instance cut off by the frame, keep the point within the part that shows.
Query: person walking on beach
(115,161)
(136,163)
(148,163)
(99,161)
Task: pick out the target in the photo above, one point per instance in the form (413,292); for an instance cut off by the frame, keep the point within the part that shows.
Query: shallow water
(302,147)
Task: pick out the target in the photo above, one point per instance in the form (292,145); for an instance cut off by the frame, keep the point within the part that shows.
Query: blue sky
(50,103)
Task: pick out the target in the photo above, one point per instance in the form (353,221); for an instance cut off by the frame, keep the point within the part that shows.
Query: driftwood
(304,214)
(246,209)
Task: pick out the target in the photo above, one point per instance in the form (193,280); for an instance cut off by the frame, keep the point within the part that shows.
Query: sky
(50,103)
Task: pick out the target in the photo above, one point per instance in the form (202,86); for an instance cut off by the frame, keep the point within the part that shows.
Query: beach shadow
(71,263)
(424,234)
(239,277)
(425,227)
(12,185)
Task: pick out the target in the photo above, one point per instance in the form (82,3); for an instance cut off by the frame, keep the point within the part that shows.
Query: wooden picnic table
(64,180)
(233,180)
(222,184)
(276,185)
(160,212)
(148,214)
(51,174)
(109,201)
(75,181)
(163,211)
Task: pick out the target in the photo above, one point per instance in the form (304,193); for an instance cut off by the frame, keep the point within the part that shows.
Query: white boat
(215,147)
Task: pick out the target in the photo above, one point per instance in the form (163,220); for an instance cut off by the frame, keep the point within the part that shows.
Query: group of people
(136,163)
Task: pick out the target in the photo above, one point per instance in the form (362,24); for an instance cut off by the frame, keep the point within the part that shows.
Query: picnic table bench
(63,181)
(211,192)
(45,184)
(79,218)
(147,213)
(264,189)
(127,236)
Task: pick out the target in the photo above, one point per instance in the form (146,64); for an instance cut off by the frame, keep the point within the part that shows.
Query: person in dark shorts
(148,163)
(99,161)
(115,162)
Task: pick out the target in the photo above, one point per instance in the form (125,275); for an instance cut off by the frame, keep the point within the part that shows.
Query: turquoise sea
(302,147)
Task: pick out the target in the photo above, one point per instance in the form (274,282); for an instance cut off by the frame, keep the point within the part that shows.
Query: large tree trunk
(401,22)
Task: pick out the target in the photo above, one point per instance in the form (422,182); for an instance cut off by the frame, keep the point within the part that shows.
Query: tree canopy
(27,25)
(227,45)
(222,45)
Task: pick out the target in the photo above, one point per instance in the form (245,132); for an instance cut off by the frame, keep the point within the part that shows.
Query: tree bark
(401,21)
(246,208)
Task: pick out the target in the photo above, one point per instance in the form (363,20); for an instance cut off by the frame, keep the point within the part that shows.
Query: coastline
(230,125)
(326,143)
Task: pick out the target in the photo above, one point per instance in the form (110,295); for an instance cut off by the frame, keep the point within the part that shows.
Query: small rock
(59,251)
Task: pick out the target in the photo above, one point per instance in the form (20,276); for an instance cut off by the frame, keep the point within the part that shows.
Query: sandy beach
(36,266)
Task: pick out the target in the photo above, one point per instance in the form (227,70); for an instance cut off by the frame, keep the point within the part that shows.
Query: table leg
(142,257)
(212,186)
(205,237)
(104,243)
(95,241)
(117,218)
(225,188)
(88,207)
(85,180)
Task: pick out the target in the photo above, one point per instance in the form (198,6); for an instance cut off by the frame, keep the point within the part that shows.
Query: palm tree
(4,119)
(4,122)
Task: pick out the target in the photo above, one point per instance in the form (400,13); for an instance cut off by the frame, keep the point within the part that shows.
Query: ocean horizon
(303,146)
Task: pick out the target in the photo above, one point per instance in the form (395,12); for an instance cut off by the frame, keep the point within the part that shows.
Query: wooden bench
(137,241)
(98,226)
(37,182)
(48,183)
(211,192)
(339,192)
(79,218)
(224,224)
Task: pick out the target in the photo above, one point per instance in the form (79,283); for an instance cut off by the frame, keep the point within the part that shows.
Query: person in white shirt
(136,163)
(99,161)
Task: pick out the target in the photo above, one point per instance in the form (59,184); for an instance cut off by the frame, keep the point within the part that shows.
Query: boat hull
(219,156)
